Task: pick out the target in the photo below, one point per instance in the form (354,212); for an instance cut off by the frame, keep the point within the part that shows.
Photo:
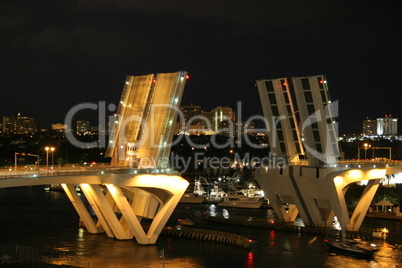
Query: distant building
(387,126)
(94,130)
(191,115)
(244,128)
(369,127)
(83,127)
(19,124)
(191,111)
(59,127)
(199,122)
(223,117)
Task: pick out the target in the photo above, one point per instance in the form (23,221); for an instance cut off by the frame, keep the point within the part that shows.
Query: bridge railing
(80,170)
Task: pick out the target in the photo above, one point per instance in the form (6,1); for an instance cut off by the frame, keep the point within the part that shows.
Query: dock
(206,235)
(364,234)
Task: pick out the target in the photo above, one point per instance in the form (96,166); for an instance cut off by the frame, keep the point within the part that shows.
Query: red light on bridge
(187,77)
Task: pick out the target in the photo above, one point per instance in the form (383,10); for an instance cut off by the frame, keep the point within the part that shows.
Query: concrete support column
(313,211)
(128,214)
(277,205)
(362,206)
(108,213)
(80,208)
(102,223)
(338,204)
(292,212)
(328,218)
(162,216)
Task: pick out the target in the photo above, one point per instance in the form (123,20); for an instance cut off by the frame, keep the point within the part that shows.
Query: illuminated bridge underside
(134,197)
(318,194)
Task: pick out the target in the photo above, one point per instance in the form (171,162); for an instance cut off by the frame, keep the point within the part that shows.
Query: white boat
(216,194)
(252,191)
(198,189)
(197,196)
(239,200)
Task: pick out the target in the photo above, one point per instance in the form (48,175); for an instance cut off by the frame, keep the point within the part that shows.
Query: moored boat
(215,195)
(191,198)
(197,196)
(352,248)
(239,200)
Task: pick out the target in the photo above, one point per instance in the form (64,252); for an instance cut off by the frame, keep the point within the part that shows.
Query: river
(47,223)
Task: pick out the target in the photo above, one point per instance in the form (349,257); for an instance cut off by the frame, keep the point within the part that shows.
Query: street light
(365,150)
(15,160)
(47,155)
(52,150)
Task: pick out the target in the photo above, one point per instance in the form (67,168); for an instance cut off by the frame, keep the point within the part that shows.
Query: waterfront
(47,222)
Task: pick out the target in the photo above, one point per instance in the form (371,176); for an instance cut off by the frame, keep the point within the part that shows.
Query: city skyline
(52,62)
(364,131)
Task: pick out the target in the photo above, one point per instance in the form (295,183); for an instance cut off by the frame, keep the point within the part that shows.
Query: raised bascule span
(145,120)
(138,184)
(303,131)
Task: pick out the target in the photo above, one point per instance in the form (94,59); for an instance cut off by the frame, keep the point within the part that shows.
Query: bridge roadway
(75,169)
(392,167)
(133,193)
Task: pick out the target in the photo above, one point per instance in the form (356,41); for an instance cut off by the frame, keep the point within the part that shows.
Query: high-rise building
(387,125)
(190,118)
(19,124)
(190,112)
(195,121)
(83,127)
(369,127)
(223,118)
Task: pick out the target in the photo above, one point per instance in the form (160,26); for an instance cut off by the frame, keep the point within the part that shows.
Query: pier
(206,235)
(364,234)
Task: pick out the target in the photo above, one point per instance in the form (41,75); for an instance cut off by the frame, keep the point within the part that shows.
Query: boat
(197,196)
(252,191)
(198,189)
(187,222)
(215,195)
(191,198)
(237,199)
(352,248)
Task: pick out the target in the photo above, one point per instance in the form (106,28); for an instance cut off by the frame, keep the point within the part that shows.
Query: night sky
(56,54)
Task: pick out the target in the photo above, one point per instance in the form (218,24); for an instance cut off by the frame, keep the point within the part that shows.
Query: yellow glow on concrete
(338,180)
(377,173)
(162,181)
(355,174)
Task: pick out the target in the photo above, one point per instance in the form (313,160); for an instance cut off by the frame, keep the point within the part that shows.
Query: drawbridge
(302,133)
(138,183)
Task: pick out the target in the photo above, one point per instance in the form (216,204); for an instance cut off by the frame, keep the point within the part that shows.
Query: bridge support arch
(134,197)
(318,194)
(120,201)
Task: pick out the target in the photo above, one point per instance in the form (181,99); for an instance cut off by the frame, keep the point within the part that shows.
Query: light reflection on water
(99,251)
(48,221)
